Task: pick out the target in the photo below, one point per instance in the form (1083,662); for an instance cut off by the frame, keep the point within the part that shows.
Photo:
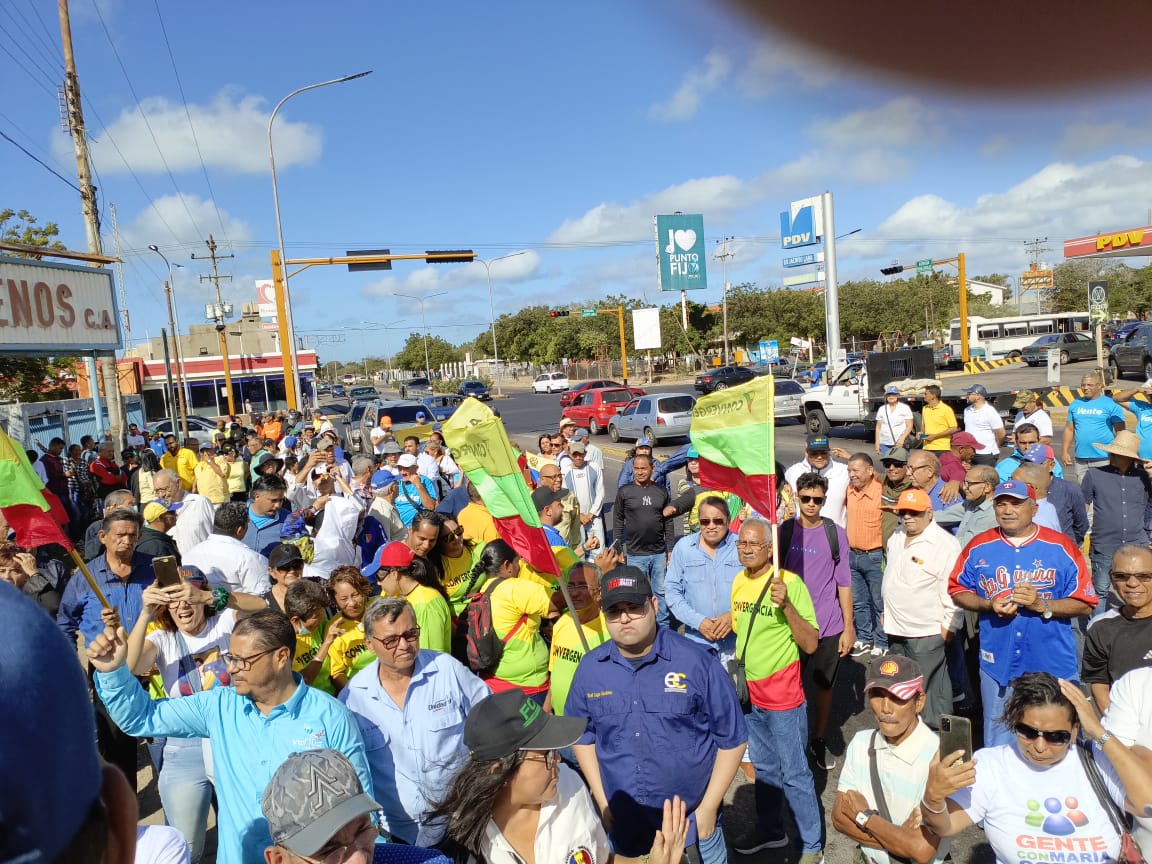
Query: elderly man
(571,527)
(896,480)
(924,472)
(1092,419)
(866,555)
(224,558)
(410,705)
(957,459)
(1118,493)
(974,515)
(818,459)
(586,482)
(886,769)
(594,454)
(983,421)
(196,511)
(919,615)
(698,584)
(1121,640)
(1027,585)
(180,460)
(414,493)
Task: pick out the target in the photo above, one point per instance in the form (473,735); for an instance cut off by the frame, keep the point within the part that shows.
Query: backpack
(787,529)
(483,647)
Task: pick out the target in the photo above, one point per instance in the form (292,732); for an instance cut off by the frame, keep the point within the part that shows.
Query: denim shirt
(80,609)
(698,586)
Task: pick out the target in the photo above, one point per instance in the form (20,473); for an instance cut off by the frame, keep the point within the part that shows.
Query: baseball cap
(816,442)
(1024,397)
(153,510)
(207,446)
(1015,489)
(891,388)
(897,454)
(311,797)
(507,722)
(577,447)
(692,453)
(390,447)
(581,435)
(41,818)
(624,584)
(420,415)
(394,554)
(977,388)
(323,443)
(644,442)
(382,479)
(284,556)
(386,422)
(899,675)
(543,496)
(965,439)
(290,442)
(912,499)
(1038,454)
(407,460)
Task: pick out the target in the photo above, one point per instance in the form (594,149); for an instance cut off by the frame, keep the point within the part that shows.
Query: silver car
(788,399)
(655,416)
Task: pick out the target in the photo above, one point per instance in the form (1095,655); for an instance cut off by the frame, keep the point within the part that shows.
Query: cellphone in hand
(955,734)
(167,571)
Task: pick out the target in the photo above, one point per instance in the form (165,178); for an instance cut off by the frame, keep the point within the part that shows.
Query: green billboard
(680,247)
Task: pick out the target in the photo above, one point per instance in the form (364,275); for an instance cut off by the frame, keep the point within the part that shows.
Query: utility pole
(75,115)
(724,254)
(220,312)
(181,401)
(1036,249)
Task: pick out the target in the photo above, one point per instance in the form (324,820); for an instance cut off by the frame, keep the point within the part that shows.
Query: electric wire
(37,160)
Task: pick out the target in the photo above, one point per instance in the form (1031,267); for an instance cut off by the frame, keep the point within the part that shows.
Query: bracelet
(943,809)
(219,599)
(1103,739)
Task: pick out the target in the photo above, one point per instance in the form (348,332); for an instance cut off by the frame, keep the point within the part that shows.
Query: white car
(550,382)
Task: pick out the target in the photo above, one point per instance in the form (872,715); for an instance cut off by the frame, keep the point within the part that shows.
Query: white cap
(406,460)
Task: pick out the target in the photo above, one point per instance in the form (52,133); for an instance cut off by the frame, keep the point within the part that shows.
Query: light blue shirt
(1143,412)
(414,751)
(1092,421)
(408,504)
(247,746)
(698,586)
(1010,463)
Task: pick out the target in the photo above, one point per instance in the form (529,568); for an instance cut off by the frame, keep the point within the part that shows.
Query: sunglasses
(810,499)
(1124,578)
(1059,737)
(905,514)
(704,522)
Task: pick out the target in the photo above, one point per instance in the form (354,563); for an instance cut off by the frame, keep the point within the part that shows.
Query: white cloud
(777,66)
(453,277)
(1082,138)
(232,131)
(698,83)
(901,122)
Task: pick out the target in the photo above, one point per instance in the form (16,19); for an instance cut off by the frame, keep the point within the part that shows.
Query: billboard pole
(831,290)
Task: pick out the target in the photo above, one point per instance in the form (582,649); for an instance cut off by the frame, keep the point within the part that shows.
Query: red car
(569,396)
(594,408)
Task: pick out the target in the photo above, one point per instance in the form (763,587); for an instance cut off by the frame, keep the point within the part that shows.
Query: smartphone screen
(955,734)
(167,571)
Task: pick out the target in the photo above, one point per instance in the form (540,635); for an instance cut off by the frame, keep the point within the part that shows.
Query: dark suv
(474,388)
(1132,356)
(722,377)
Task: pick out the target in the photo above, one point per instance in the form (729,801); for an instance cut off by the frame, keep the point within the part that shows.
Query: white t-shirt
(205,648)
(983,423)
(160,844)
(1027,812)
(569,829)
(1129,718)
(892,420)
(1038,418)
(136,440)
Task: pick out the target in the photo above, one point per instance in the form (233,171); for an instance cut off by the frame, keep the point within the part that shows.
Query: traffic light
(558,313)
(893,270)
(449,256)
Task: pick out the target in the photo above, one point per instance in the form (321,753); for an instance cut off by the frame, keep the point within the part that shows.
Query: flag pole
(563,583)
(91,580)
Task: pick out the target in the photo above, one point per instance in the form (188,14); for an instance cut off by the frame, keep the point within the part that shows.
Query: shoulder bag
(1129,851)
(878,794)
(736,664)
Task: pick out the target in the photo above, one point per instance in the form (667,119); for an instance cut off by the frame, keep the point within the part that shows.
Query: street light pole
(492,310)
(423,323)
(294,389)
(182,396)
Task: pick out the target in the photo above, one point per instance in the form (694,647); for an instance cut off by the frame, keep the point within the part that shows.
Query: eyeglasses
(1123,578)
(1059,737)
(629,611)
(243,664)
(390,642)
(449,533)
(975,483)
(810,499)
(550,758)
(704,522)
(919,467)
(365,841)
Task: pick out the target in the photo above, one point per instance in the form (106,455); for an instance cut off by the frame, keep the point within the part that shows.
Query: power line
(47,33)
(143,116)
(50,48)
(19,43)
(35,159)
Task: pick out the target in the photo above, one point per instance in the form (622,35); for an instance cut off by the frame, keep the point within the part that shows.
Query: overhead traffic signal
(450,256)
(559,313)
(893,270)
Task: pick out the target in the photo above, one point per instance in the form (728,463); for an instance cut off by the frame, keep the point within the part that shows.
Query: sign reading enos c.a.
(56,308)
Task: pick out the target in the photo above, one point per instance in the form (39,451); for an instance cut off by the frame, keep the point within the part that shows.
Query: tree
(411,357)
(24,378)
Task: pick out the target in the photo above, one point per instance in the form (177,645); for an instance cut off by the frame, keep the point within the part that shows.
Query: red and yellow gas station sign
(1120,244)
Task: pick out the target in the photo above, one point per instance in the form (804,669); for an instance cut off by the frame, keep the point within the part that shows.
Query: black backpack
(789,527)
(483,648)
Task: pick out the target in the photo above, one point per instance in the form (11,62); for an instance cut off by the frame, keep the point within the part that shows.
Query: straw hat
(1124,444)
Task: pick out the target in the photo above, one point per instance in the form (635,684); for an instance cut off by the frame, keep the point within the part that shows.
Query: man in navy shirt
(663,720)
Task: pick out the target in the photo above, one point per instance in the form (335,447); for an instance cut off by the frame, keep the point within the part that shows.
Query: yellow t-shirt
(210,484)
(306,649)
(478,524)
(525,658)
(567,651)
(236,478)
(936,420)
(349,652)
(458,576)
(183,463)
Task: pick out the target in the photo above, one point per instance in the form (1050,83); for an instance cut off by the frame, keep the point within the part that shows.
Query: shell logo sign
(1134,242)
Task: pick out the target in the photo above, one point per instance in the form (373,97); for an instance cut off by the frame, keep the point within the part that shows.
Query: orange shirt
(864,517)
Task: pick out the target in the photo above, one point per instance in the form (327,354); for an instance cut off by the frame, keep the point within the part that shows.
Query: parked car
(443,406)
(788,399)
(402,412)
(655,417)
(1133,356)
(474,388)
(569,396)
(550,382)
(363,394)
(338,390)
(1120,332)
(593,409)
(1072,346)
(722,377)
(197,426)
(415,387)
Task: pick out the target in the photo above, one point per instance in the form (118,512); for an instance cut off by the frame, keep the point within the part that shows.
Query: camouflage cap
(311,797)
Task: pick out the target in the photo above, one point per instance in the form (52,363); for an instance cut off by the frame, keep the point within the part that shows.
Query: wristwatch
(1047,613)
(862,818)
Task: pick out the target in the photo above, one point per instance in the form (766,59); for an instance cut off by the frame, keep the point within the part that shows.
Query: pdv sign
(802,223)
(680,248)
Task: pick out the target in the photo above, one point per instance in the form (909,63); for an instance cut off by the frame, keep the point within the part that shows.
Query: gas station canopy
(1135,242)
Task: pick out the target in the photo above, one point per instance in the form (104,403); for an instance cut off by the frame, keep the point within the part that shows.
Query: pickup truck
(854,393)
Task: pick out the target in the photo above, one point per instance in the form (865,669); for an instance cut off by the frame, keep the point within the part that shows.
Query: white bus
(996,338)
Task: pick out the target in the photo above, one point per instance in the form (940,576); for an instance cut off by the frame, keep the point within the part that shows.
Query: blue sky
(525,126)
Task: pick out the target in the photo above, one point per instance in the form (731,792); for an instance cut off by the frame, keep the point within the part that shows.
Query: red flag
(34,527)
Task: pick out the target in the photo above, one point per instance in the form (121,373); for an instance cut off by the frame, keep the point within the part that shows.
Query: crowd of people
(280,617)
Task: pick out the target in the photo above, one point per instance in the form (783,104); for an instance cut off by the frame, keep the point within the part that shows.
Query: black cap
(505,722)
(624,584)
(285,555)
(544,496)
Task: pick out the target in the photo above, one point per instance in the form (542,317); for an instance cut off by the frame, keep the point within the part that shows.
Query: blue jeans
(994,696)
(713,850)
(776,747)
(1101,563)
(185,791)
(654,567)
(867,596)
